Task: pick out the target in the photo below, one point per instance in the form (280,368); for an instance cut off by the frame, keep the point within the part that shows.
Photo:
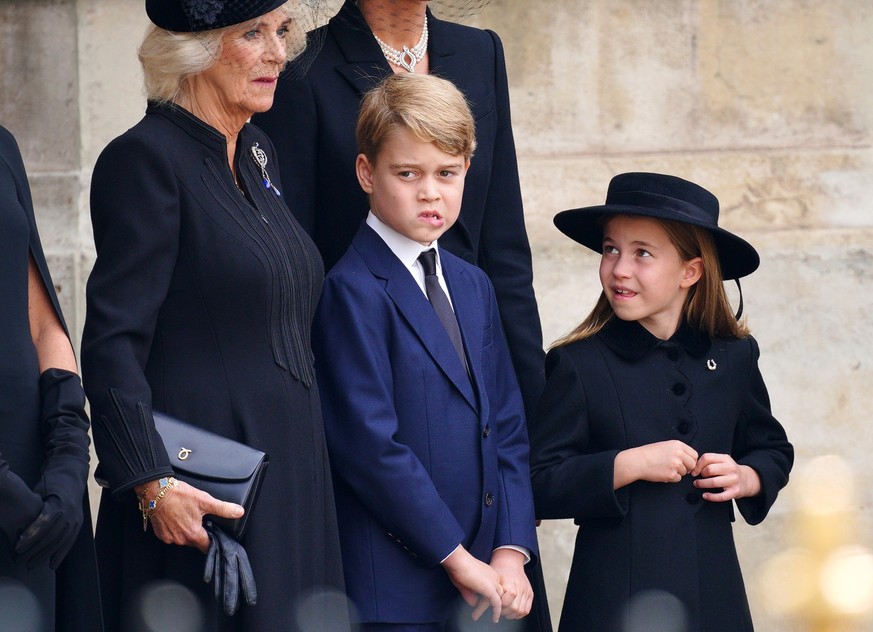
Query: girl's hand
(720,470)
(662,462)
(179,516)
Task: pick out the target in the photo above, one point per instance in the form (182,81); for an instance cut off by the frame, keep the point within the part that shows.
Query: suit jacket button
(674,354)
(684,427)
(489,499)
(487,431)
(678,388)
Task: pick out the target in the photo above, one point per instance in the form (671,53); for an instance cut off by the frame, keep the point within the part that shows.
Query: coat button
(486,432)
(489,499)
(678,388)
(674,354)
(692,498)
(684,427)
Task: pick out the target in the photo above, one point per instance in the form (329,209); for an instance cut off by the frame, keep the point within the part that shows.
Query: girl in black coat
(655,417)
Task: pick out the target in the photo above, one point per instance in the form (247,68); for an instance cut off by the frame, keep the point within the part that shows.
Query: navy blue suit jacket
(312,125)
(425,457)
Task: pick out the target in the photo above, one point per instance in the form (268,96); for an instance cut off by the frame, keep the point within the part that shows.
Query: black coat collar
(198,129)
(631,340)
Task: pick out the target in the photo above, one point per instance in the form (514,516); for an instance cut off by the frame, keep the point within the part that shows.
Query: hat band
(690,212)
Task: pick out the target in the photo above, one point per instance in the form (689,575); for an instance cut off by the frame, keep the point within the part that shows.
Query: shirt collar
(404,248)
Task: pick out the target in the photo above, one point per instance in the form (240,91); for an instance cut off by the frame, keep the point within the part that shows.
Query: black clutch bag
(221,467)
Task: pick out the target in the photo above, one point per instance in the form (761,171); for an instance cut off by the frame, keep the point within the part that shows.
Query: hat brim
(737,257)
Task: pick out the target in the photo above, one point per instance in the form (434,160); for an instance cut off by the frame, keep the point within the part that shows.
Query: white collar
(404,248)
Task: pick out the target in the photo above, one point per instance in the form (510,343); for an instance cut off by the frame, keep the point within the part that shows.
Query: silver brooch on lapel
(711,365)
(260,157)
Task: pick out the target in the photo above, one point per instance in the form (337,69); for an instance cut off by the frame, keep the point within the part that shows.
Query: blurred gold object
(825,581)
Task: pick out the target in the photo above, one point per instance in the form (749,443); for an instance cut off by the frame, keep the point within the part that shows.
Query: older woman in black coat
(199,305)
(46,547)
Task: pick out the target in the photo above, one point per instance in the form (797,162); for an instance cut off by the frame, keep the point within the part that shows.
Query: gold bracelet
(150,507)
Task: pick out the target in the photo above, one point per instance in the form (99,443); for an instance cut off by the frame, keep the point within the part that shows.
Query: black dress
(74,606)
(199,305)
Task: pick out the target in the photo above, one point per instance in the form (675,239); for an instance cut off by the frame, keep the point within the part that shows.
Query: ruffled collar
(631,340)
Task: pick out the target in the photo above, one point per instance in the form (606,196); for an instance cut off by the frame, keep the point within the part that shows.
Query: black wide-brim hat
(662,197)
(191,16)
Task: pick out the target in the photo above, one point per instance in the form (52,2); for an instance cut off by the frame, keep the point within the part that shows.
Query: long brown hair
(706,309)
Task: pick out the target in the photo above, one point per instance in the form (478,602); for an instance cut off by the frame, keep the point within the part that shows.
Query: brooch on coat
(260,158)
(710,364)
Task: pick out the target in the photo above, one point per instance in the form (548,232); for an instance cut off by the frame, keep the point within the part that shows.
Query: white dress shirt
(407,250)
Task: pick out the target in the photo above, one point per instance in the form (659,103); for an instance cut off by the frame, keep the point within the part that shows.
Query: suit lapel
(414,307)
(365,65)
(469,312)
(440,48)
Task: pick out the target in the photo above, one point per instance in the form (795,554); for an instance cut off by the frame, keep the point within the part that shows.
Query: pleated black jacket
(200,305)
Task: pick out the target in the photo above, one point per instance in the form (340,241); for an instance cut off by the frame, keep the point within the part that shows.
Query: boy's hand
(518,594)
(478,583)
(720,470)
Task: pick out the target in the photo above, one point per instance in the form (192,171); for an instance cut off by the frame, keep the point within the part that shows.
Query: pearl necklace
(408,57)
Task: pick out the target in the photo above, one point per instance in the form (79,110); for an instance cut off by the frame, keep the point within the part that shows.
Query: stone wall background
(767,103)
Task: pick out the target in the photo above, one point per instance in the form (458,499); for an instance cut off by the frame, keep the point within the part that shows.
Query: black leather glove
(227,564)
(18,504)
(64,428)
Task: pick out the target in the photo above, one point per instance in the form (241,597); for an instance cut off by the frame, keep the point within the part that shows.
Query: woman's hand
(662,462)
(178,518)
(721,471)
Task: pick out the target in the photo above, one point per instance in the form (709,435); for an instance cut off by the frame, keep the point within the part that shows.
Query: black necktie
(440,302)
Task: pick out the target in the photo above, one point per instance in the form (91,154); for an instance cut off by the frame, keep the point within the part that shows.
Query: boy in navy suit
(422,411)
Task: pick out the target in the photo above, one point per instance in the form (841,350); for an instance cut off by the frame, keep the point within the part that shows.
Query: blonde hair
(431,108)
(168,58)
(706,309)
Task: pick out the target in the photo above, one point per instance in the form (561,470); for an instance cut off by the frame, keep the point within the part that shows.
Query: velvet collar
(631,340)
